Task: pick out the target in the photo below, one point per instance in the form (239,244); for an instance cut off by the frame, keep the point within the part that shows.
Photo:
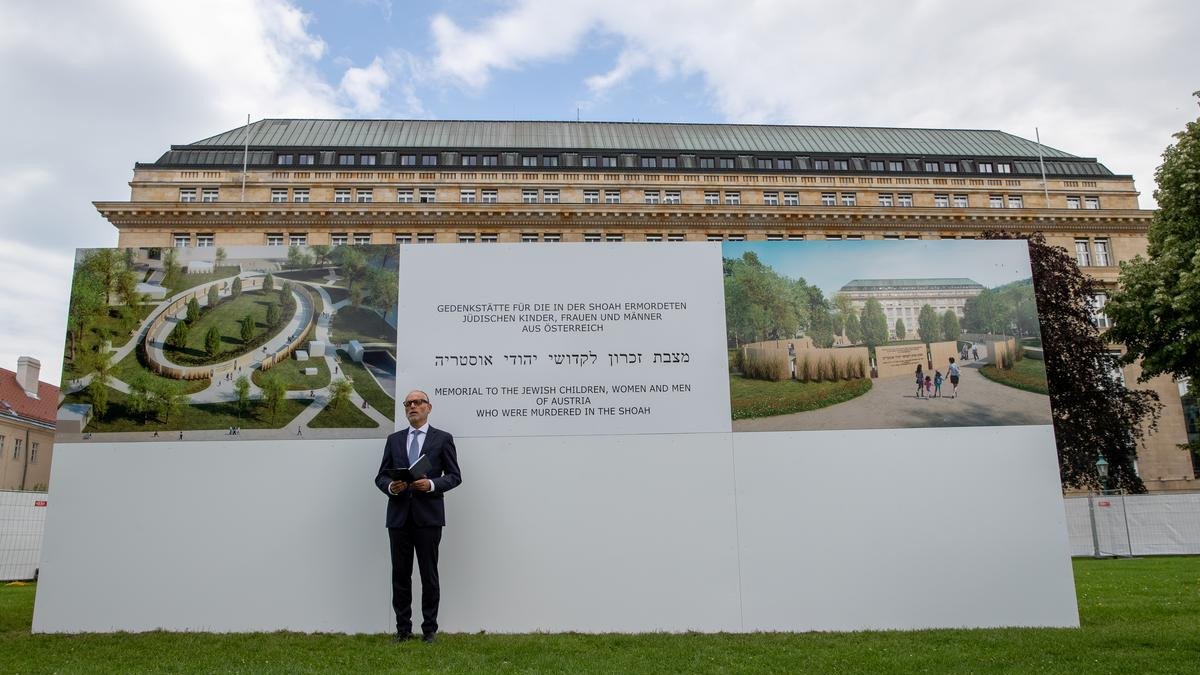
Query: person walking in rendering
(937,384)
(920,382)
(954,373)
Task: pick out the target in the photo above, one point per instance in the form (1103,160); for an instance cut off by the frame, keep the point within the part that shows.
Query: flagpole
(245,156)
(1045,187)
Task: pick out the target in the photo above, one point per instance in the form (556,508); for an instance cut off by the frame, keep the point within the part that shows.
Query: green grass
(366,386)
(1137,616)
(1027,374)
(364,325)
(128,368)
(337,294)
(348,416)
(317,274)
(761,398)
(187,281)
(111,326)
(291,372)
(226,316)
(189,417)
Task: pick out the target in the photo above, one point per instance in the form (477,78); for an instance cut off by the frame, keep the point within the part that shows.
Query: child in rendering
(937,384)
(928,385)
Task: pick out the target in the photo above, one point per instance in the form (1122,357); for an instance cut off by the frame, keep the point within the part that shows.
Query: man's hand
(422,485)
(397,486)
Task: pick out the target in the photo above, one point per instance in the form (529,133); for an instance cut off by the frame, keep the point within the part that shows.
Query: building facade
(903,298)
(27,421)
(303,181)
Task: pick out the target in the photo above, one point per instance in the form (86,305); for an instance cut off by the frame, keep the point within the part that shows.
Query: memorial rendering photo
(882,334)
(209,343)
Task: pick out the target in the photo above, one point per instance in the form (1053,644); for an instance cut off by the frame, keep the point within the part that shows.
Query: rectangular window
(33,454)
(187,194)
(785,164)
(466,237)
(427,196)
(612,196)
(529,160)
(308,160)
(552,237)
(428,160)
(1100,246)
(875,165)
(283,159)
(589,161)
(653,196)
(208,195)
(886,199)
(17,447)
(403,239)
(949,167)
(337,238)
(841,165)
(204,240)
(528,237)
(182,240)
(300,195)
(828,199)
(774,237)
(725,163)
(1082,256)
(733,198)
(763,163)
(469,160)
(895,166)
(653,237)
(591,237)
(995,202)
(712,197)
(737,237)
(671,197)
(1003,167)
(649,162)
(1099,318)
(1091,202)
(362,238)
(490,160)
(367,160)
(985,167)
(364,195)
(275,239)
(489,238)
(715,237)
(1072,202)
(529,196)
(791,199)
(489,196)
(931,166)
(669,162)
(279,195)
(341,196)
(960,201)
(941,201)
(676,236)
(849,199)
(466,196)
(424,238)
(550,196)
(609,162)
(821,164)
(614,236)
(591,196)
(408,160)
(346,160)
(770,199)
(1015,202)
(795,237)
(298,239)
(550,160)
(707,162)
(404,195)
(904,199)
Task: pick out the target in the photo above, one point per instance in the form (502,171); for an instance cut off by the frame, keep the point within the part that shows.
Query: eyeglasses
(415,401)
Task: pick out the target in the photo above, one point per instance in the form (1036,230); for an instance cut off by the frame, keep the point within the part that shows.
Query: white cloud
(365,86)
(37,286)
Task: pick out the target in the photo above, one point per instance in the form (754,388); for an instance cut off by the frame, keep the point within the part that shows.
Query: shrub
(764,364)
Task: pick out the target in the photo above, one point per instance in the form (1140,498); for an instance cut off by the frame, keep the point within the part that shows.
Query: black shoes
(402,637)
(429,637)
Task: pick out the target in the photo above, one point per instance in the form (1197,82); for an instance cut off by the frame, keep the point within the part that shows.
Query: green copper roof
(631,136)
(876,284)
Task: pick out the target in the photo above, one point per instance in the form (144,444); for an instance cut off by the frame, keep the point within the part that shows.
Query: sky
(90,88)
(829,265)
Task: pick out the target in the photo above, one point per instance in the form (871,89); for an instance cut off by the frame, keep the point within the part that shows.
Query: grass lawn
(1137,616)
(317,274)
(366,386)
(190,417)
(337,294)
(193,280)
(364,325)
(226,316)
(111,326)
(128,367)
(1027,374)
(292,373)
(760,398)
(348,416)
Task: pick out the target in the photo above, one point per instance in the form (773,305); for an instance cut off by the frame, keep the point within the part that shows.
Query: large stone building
(27,418)
(903,298)
(305,181)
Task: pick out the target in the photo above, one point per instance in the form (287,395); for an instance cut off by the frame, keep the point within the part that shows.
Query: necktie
(414,450)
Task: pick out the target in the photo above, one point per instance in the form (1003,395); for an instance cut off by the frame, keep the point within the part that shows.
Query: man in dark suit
(416,512)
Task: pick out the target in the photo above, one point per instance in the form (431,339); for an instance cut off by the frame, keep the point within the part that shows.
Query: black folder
(418,470)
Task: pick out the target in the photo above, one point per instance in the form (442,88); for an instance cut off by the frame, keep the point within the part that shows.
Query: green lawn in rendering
(1027,374)
(366,386)
(345,416)
(129,367)
(291,372)
(362,324)
(187,281)
(1137,616)
(315,274)
(189,417)
(226,317)
(761,398)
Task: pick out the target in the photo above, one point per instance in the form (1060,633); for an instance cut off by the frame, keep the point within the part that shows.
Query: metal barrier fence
(22,516)
(1134,525)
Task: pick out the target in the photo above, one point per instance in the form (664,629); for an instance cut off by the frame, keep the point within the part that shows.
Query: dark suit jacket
(427,509)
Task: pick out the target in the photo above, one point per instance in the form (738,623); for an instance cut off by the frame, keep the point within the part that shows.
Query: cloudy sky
(90,88)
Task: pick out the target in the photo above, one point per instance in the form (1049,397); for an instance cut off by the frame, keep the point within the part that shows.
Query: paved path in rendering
(892,403)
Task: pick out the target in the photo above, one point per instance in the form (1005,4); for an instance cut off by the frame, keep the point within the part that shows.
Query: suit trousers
(424,541)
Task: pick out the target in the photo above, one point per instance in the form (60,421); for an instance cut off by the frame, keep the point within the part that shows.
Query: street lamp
(1102,470)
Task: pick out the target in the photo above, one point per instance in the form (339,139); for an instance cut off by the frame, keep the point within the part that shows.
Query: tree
(237,287)
(193,310)
(854,332)
(272,314)
(214,296)
(87,304)
(339,392)
(212,341)
(900,329)
(165,399)
(1155,310)
(241,387)
(98,392)
(384,287)
(838,321)
(221,257)
(950,328)
(321,251)
(353,264)
(179,335)
(172,273)
(106,264)
(821,330)
(928,326)
(127,288)
(1093,412)
(295,257)
(138,400)
(247,327)
(874,324)
(273,392)
(269,282)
